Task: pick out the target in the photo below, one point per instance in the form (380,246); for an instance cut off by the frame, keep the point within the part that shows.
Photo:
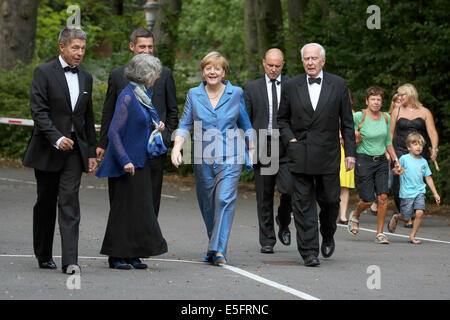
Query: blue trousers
(217,186)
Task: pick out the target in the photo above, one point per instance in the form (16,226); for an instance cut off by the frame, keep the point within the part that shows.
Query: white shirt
(269,95)
(314,90)
(74,91)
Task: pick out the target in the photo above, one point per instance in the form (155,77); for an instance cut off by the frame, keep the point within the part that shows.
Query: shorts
(409,205)
(371,176)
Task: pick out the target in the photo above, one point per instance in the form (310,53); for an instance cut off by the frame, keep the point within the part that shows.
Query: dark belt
(372,158)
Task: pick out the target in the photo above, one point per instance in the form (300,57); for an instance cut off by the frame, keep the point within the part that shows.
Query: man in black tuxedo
(61,147)
(262,98)
(314,106)
(164,100)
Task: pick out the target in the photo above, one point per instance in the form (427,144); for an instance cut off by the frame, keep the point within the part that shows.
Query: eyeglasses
(401,94)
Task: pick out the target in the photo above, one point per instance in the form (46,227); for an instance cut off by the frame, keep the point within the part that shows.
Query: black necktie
(71,69)
(314,80)
(274,103)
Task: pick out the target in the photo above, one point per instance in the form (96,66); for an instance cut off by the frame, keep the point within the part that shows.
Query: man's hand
(66,144)
(100,153)
(176,157)
(92,165)
(349,163)
(293,140)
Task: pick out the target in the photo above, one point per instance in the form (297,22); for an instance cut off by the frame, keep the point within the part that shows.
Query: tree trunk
(166,31)
(17,31)
(251,40)
(269,22)
(296,13)
(263,23)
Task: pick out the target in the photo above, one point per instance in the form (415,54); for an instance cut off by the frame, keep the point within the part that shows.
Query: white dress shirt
(74,91)
(269,95)
(314,90)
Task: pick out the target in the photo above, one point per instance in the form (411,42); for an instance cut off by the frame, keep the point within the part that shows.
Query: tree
(166,31)
(296,13)
(17,31)
(263,21)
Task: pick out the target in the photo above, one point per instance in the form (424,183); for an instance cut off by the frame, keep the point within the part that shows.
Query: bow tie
(73,70)
(314,80)
(275,80)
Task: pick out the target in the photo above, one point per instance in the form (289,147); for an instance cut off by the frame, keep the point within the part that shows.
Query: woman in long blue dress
(216,110)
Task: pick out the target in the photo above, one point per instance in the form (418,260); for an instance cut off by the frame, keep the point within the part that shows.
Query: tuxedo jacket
(53,117)
(164,100)
(257,104)
(317,150)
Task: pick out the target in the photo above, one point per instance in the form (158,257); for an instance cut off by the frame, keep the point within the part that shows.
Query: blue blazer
(217,130)
(128,135)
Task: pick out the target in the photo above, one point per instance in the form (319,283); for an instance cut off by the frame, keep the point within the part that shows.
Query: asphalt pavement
(359,268)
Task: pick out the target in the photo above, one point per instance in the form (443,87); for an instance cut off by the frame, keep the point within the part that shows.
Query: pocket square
(85,92)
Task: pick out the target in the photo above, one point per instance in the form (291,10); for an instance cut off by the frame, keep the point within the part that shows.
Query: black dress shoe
(283,234)
(71,269)
(137,263)
(327,249)
(50,264)
(267,249)
(311,261)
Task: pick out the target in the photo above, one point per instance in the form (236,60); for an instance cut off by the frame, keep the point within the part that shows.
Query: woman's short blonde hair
(216,59)
(411,92)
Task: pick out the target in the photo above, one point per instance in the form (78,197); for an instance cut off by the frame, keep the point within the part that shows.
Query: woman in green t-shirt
(372,129)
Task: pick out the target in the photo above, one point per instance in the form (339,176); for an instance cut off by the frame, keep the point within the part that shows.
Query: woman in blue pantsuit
(216,110)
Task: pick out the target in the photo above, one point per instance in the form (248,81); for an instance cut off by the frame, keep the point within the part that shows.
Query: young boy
(412,186)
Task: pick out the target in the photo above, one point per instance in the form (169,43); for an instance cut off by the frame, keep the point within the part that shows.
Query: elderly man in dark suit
(314,106)
(262,98)
(164,100)
(61,147)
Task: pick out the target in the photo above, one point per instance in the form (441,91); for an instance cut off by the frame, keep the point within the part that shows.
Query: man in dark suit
(262,98)
(164,100)
(314,106)
(61,147)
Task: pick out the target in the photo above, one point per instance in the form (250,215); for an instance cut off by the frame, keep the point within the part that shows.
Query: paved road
(406,271)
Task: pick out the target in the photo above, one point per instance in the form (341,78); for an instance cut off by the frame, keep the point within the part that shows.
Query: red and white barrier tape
(27,122)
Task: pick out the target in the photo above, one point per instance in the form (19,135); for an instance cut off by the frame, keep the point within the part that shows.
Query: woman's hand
(129,167)
(398,169)
(161,126)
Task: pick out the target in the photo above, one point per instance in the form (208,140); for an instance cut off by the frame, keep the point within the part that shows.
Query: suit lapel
(225,96)
(303,95)
(325,92)
(61,79)
(81,85)
(263,89)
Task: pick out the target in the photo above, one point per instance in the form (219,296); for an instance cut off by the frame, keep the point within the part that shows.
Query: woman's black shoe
(117,263)
(137,263)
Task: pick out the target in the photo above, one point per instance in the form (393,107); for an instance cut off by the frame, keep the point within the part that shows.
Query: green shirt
(376,135)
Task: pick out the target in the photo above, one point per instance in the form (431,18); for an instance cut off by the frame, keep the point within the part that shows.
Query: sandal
(350,226)
(381,239)
(414,241)
(393,228)
(219,259)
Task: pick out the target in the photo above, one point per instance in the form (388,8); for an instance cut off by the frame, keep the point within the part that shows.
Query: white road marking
(397,235)
(244,273)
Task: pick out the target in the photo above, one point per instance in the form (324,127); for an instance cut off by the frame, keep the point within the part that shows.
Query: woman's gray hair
(322,49)
(143,68)
(68,34)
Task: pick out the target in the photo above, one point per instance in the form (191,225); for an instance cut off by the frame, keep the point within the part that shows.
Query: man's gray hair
(67,34)
(322,49)
(143,68)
